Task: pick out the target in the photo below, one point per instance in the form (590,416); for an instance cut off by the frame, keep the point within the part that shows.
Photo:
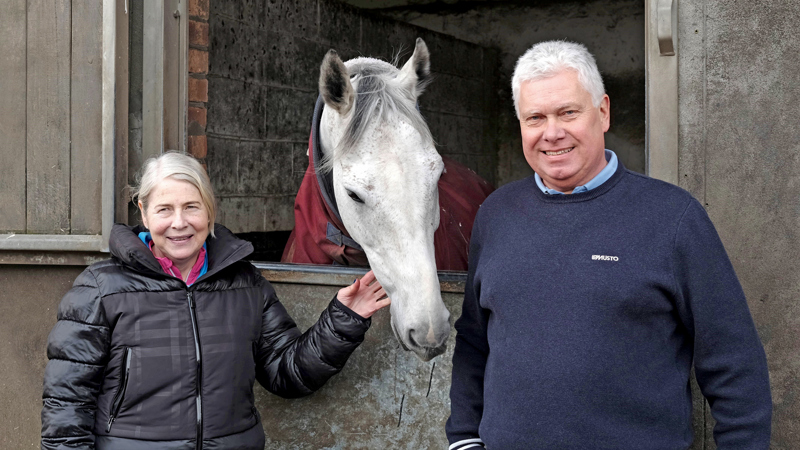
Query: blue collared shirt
(599,179)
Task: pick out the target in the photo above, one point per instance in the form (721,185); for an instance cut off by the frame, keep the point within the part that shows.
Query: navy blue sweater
(583,315)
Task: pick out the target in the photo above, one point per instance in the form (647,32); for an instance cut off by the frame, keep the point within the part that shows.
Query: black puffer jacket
(138,360)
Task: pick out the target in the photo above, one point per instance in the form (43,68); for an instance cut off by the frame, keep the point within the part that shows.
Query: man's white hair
(548,58)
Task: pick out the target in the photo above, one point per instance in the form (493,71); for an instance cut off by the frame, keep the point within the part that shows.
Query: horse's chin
(427,354)
(423,353)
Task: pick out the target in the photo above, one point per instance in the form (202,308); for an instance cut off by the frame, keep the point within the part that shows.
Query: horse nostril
(411,339)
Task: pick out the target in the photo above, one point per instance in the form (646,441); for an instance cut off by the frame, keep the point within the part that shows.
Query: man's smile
(558,152)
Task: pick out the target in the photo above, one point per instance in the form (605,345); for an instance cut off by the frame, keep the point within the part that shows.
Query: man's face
(562,131)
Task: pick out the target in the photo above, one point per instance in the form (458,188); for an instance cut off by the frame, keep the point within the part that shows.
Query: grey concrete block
(456,95)
(385,39)
(249,12)
(455,57)
(339,25)
(280,52)
(293,17)
(291,61)
(279,212)
(265,168)
(305,70)
(290,113)
(223,163)
(236,108)
(236,49)
(241,214)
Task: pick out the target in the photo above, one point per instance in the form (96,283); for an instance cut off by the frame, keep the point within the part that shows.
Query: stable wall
(264,62)
(739,101)
(612,30)
(29,297)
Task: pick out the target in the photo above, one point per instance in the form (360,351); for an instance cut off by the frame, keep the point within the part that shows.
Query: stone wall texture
(262,84)
(739,101)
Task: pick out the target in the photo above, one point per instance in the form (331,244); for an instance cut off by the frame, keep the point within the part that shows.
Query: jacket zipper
(198,398)
(116,404)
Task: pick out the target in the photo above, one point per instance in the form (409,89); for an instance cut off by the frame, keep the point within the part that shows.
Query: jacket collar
(223,250)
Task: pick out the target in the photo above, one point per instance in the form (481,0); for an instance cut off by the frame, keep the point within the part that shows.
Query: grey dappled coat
(124,371)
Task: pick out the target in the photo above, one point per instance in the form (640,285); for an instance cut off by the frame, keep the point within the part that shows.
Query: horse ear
(416,73)
(334,83)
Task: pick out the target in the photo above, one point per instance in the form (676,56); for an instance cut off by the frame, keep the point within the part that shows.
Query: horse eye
(355,197)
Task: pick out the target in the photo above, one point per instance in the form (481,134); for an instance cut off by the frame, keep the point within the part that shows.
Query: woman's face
(178,221)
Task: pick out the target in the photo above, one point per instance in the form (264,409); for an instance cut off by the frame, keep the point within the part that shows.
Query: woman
(159,346)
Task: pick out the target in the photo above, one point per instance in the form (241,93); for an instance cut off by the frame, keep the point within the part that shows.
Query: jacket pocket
(116,403)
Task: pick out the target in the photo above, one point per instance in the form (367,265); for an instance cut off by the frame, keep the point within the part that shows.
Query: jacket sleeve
(730,364)
(293,364)
(469,359)
(77,350)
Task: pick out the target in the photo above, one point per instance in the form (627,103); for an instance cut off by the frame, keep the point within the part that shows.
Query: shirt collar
(599,179)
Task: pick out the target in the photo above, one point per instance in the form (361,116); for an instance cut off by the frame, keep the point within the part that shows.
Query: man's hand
(364,296)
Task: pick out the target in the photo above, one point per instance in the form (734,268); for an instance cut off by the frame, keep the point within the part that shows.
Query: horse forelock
(378,96)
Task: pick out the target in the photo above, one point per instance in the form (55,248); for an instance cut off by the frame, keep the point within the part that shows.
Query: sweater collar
(606,186)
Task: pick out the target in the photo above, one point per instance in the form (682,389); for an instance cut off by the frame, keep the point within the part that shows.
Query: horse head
(385,173)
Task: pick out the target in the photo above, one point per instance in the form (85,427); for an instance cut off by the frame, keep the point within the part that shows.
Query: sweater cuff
(464,444)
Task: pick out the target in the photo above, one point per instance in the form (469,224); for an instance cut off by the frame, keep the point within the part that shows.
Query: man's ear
(605,112)
(334,84)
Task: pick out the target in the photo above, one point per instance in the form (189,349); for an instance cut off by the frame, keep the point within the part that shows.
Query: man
(592,291)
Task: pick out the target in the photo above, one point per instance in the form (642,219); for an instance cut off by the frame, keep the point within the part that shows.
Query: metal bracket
(667,21)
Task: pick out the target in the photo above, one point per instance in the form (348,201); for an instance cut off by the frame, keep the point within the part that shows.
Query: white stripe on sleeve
(477,442)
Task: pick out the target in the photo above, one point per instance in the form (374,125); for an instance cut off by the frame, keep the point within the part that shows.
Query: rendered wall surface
(29,297)
(262,85)
(740,156)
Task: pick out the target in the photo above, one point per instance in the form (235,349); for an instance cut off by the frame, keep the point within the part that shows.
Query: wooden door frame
(114,43)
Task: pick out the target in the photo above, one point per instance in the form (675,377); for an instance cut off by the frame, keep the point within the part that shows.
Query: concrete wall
(613,30)
(29,297)
(739,104)
(262,84)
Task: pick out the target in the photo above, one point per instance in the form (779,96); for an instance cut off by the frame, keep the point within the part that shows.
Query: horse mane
(377,95)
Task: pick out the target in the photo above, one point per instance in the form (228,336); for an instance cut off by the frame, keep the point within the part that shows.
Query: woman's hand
(365,296)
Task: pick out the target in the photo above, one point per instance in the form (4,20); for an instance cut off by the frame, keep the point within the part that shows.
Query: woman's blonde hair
(177,166)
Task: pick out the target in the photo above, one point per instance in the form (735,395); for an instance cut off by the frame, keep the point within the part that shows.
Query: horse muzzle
(426,342)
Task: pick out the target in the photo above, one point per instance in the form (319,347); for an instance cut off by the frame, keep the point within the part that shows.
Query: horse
(371,195)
